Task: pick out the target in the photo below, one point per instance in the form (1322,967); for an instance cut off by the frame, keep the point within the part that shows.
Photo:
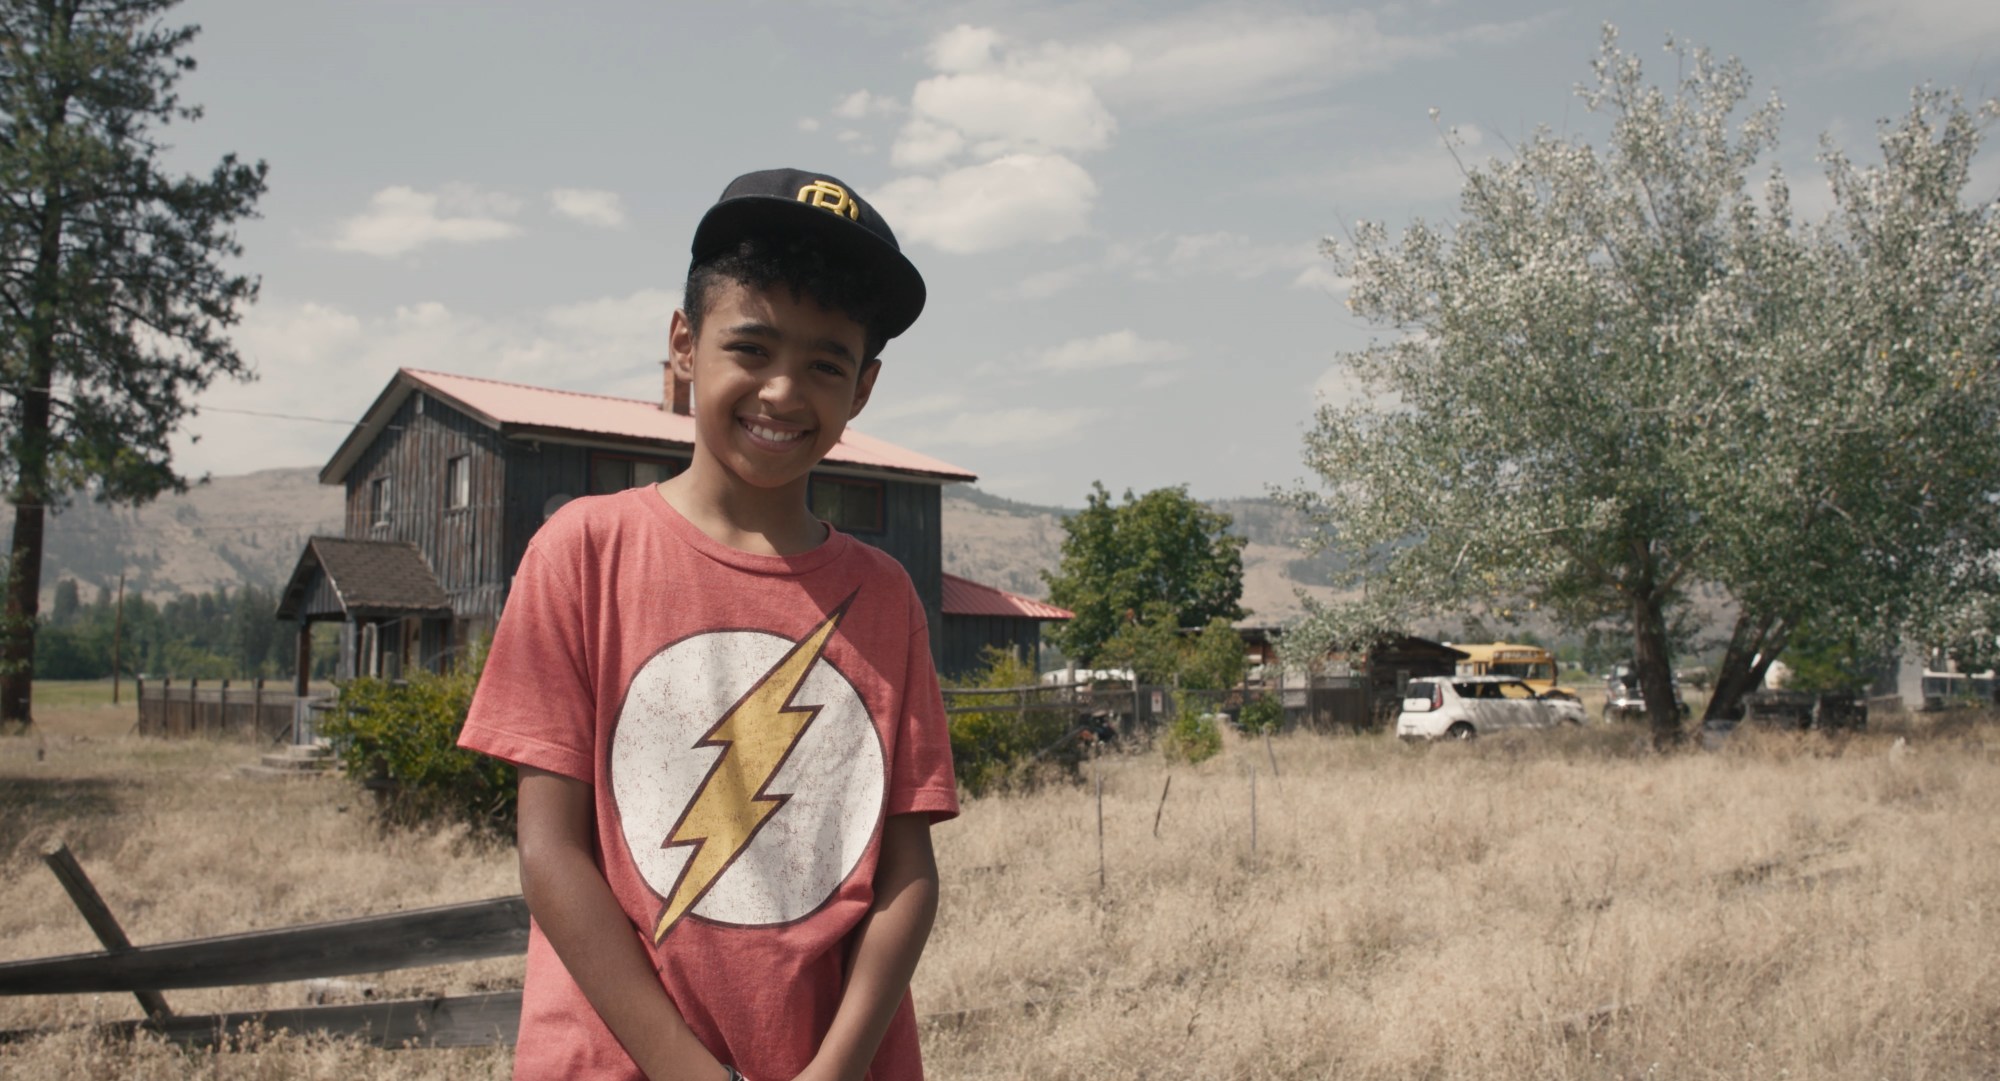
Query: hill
(248,529)
(225,533)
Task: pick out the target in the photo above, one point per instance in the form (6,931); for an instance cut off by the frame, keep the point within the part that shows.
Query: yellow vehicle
(1532,665)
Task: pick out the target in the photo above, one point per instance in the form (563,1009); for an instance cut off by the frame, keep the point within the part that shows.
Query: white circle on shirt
(831,780)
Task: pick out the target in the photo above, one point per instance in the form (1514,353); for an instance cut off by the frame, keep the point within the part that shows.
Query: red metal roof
(633,418)
(963,597)
(524,408)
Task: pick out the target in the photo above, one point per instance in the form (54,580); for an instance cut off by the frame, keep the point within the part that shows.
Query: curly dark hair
(760,262)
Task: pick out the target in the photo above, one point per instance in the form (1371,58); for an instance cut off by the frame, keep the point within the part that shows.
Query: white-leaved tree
(1626,371)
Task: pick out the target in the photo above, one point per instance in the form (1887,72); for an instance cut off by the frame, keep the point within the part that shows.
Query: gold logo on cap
(827,195)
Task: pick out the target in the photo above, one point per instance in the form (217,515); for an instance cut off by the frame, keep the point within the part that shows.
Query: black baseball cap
(791,201)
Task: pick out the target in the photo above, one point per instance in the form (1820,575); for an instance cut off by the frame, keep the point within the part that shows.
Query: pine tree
(116,291)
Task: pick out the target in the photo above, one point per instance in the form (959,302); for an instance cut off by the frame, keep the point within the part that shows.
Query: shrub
(1011,749)
(1193,737)
(1263,713)
(401,740)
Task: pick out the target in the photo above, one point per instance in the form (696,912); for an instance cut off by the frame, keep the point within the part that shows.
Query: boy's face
(776,378)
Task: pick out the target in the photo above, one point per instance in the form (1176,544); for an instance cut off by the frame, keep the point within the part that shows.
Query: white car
(1461,707)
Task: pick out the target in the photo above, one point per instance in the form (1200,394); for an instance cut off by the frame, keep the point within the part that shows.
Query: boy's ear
(864,385)
(680,346)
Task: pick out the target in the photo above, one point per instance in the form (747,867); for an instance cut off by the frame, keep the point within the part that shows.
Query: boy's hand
(596,941)
(888,943)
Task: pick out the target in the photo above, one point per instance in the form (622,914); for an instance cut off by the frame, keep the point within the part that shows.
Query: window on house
(378,499)
(853,506)
(609,473)
(458,482)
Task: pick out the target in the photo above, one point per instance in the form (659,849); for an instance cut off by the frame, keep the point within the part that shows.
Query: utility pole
(117,632)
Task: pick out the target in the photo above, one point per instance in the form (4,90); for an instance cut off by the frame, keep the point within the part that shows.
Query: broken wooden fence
(448,934)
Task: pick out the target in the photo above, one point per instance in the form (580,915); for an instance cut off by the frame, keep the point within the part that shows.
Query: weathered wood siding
(965,639)
(912,517)
(461,543)
(538,473)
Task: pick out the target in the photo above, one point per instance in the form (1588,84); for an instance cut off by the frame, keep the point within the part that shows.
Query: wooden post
(1162,808)
(166,706)
(302,660)
(139,693)
(102,922)
(1100,829)
(1269,753)
(222,709)
(194,707)
(257,707)
(117,632)
(1253,812)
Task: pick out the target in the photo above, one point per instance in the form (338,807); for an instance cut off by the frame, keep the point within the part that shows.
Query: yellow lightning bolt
(730,806)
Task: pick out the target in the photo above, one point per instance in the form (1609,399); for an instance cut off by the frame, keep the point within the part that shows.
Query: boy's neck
(773,522)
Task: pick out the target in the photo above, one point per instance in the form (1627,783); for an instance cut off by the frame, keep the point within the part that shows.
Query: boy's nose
(778,389)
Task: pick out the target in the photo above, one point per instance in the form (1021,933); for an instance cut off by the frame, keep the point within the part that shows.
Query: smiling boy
(729,732)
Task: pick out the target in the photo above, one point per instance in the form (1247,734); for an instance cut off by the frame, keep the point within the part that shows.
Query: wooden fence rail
(194,707)
(447,934)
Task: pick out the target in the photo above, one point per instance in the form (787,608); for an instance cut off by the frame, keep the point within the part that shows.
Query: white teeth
(773,435)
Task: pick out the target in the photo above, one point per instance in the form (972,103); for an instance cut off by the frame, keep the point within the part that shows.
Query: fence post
(139,695)
(194,707)
(98,915)
(222,710)
(257,707)
(167,706)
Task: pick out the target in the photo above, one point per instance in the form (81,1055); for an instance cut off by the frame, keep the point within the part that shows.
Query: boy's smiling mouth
(764,432)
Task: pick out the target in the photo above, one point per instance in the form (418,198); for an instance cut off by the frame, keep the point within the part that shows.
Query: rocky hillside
(250,528)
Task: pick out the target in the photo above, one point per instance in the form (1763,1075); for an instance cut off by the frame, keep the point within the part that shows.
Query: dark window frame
(881,490)
(379,494)
(458,482)
(674,467)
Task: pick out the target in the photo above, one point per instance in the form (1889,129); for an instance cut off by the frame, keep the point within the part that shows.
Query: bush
(1263,713)
(1192,738)
(401,740)
(1012,749)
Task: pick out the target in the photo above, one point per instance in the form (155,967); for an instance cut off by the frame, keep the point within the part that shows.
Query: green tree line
(225,634)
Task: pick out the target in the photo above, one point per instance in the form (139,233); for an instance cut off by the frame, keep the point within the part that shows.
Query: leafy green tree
(1627,371)
(1215,659)
(1160,547)
(1149,644)
(115,286)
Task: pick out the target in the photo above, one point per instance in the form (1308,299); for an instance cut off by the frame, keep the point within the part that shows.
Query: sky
(1117,206)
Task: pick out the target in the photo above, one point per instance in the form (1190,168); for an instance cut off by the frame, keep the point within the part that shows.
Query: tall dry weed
(1563,905)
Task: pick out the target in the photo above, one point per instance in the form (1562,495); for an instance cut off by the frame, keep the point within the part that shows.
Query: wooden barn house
(448,476)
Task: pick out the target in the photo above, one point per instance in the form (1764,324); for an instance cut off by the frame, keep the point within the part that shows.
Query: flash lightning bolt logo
(731,805)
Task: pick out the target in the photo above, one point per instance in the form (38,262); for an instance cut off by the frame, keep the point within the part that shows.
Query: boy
(729,732)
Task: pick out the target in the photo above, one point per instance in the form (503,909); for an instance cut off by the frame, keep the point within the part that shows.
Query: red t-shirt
(748,722)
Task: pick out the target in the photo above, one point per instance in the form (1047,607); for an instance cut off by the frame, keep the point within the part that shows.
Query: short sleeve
(535,704)
(921,780)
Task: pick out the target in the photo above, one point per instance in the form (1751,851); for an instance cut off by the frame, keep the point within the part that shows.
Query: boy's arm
(592,935)
(888,943)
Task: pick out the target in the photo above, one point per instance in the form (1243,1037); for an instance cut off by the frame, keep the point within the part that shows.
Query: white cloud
(317,360)
(896,409)
(861,104)
(1221,55)
(1882,31)
(1233,254)
(1018,199)
(1418,174)
(1017,426)
(400,220)
(808,124)
(925,145)
(1322,277)
(1018,109)
(604,209)
(996,97)
(1114,350)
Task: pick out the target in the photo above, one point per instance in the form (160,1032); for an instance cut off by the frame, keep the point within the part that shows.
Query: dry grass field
(1558,905)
